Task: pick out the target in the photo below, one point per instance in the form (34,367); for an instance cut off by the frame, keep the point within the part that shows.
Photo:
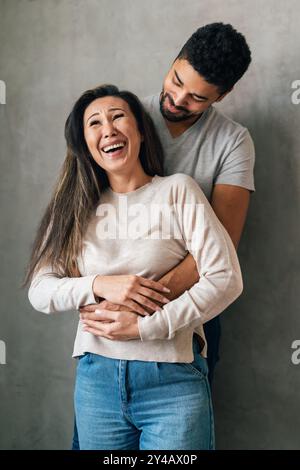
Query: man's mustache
(180,108)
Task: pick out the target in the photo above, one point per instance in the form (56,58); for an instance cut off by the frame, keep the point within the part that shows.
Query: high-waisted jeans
(131,405)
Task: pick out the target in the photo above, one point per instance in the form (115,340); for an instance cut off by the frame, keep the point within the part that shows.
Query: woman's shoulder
(180,182)
(180,179)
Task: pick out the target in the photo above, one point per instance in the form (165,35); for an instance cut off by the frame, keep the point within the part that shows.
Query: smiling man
(204,143)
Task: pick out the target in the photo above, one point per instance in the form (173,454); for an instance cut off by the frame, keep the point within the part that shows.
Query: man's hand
(103,305)
(118,325)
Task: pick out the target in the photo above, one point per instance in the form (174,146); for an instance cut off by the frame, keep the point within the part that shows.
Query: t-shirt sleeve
(49,293)
(220,280)
(237,165)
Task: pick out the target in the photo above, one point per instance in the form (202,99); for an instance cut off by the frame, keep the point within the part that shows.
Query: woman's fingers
(153,295)
(91,316)
(146,302)
(135,307)
(153,284)
(97,332)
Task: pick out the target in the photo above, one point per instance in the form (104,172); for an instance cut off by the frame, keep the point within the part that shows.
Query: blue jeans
(132,405)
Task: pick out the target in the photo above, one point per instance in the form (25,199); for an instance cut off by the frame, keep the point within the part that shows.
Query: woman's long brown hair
(58,241)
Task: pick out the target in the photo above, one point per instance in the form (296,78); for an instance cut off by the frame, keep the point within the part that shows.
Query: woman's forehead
(106,104)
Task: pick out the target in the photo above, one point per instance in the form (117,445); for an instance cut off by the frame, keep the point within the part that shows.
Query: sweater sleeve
(220,280)
(49,293)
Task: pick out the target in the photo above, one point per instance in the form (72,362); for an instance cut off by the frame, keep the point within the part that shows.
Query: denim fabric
(131,405)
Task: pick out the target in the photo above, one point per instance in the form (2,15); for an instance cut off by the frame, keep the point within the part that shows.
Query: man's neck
(178,128)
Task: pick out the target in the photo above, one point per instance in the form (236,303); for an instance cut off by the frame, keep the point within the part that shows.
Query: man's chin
(174,117)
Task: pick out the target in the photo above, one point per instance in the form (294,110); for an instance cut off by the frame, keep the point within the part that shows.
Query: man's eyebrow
(110,109)
(204,98)
(180,81)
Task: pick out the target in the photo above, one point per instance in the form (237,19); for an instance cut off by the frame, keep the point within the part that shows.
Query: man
(202,142)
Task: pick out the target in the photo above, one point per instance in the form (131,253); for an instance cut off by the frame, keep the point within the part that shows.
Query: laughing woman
(113,227)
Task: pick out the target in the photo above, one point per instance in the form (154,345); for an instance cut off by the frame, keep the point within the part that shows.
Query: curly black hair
(219,53)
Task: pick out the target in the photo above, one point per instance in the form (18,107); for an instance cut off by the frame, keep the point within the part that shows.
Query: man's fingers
(105,304)
(88,308)
(91,316)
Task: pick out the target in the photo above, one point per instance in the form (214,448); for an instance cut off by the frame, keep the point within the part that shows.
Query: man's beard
(184,116)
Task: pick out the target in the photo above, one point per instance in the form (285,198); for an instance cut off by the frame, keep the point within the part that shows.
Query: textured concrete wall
(49,53)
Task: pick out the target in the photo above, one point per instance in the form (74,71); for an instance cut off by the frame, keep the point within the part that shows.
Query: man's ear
(221,97)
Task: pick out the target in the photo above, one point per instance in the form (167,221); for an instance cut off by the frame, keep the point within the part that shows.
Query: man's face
(185,93)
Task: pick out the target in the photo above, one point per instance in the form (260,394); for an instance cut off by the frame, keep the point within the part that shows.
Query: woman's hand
(122,325)
(135,292)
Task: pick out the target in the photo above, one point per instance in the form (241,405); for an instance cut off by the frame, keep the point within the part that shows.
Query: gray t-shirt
(214,150)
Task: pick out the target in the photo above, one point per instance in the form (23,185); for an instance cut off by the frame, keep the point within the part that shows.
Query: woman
(115,225)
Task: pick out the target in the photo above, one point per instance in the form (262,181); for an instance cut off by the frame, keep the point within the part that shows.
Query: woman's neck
(124,183)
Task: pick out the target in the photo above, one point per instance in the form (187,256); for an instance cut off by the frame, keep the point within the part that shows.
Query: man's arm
(230,204)
(181,278)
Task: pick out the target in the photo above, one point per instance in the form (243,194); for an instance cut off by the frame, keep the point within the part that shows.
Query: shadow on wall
(258,332)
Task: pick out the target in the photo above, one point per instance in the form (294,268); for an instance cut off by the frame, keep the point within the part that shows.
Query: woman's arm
(49,293)
(220,280)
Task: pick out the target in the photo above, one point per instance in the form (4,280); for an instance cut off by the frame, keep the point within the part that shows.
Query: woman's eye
(94,122)
(176,83)
(118,116)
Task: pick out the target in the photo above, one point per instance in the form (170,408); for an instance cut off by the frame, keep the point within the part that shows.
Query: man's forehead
(189,77)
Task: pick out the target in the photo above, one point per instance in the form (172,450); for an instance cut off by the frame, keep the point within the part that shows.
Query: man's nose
(180,99)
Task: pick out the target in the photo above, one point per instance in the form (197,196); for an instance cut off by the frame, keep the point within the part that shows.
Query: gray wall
(50,52)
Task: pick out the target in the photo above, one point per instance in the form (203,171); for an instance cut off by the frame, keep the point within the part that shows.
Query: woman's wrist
(97,286)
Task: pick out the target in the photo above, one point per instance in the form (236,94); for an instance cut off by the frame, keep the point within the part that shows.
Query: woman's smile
(114,150)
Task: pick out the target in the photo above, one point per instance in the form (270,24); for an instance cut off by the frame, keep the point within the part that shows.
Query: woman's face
(112,134)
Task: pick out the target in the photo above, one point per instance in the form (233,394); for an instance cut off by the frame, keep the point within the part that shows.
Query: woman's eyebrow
(95,114)
(115,109)
(110,109)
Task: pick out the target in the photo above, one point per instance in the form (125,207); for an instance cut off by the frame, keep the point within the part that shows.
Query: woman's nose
(109,130)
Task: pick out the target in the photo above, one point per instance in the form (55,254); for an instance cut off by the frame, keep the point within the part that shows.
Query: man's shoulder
(222,124)
(150,102)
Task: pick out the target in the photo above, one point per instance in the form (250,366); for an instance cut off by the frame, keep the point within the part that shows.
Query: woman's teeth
(112,148)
